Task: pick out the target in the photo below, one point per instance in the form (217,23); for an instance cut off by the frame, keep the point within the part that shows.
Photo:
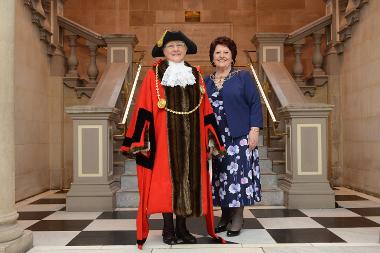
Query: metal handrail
(268,106)
(133,89)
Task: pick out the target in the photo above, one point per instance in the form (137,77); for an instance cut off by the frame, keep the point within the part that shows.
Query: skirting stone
(20,245)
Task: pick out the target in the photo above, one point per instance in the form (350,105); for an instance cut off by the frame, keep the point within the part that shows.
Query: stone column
(12,237)
(305,183)
(120,48)
(269,47)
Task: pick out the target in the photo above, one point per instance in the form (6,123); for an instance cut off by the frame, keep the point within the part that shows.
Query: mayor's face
(175,51)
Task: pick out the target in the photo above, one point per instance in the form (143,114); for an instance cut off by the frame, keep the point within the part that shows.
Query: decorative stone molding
(351,17)
(39,18)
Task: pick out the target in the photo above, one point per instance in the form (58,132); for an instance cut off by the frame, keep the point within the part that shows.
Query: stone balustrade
(93,40)
(297,39)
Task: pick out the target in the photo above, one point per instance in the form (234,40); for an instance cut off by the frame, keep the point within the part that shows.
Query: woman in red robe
(169,132)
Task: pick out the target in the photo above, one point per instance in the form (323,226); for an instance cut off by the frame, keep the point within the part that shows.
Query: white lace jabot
(178,74)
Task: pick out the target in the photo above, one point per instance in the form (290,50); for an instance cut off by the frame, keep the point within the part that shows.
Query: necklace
(219,81)
(162,102)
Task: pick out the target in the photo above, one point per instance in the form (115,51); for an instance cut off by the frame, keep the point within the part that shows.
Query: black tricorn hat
(168,36)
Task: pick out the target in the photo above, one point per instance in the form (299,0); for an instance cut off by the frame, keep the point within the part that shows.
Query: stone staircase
(128,195)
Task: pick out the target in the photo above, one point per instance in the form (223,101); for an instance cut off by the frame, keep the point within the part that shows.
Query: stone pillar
(12,237)
(334,96)
(93,188)
(305,183)
(269,48)
(120,48)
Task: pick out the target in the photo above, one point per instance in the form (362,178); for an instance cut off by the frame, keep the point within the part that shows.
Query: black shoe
(169,237)
(220,228)
(231,233)
(186,237)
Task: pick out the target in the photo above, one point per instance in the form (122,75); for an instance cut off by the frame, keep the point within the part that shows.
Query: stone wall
(360,91)
(38,111)
(148,18)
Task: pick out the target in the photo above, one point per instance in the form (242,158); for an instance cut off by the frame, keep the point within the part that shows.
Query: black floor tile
(118,215)
(369,211)
(86,238)
(50,201)
(307,235)
(156,224)
(337,205)
(348,198)
(271,213)
(34,215)
(60,225)
(252,223)
(345,222)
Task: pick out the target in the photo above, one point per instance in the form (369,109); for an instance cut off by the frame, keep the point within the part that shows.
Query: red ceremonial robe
(171,150)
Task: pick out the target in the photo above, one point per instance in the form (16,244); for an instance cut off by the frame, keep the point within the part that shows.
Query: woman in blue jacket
(237,107)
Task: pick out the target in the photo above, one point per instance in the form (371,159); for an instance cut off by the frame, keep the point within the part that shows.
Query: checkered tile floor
(355,220)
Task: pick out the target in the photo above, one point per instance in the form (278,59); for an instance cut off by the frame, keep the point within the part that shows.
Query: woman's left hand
(253,138)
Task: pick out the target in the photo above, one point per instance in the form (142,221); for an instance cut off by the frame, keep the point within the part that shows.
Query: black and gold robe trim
(142,117)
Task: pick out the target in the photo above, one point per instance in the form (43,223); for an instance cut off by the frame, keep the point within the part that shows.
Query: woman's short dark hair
(225,41)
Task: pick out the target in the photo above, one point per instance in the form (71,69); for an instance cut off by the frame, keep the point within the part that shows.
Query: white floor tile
(358,235)
(89,249)
(156,216)
(56,238)
(374,218)
(337,212)
(322,249)
(63,215)
(155,241)
(40,207)
(26,223)
(250,236)
(126,209)
(289,222)
(111,225)
(205,247)
(358,204)
(212,250)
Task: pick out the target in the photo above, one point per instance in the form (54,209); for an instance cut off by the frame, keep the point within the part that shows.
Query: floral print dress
(236,176)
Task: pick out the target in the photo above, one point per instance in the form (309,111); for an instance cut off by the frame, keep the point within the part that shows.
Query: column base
(91,197)
(300,195)
(20,245)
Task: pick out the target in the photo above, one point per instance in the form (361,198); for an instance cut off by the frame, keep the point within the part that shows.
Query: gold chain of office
(162,102)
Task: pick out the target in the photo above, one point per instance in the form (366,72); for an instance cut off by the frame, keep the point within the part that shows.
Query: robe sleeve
(137,134)
(252,98)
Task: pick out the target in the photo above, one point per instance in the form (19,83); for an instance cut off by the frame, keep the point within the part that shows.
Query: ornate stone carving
(351,16)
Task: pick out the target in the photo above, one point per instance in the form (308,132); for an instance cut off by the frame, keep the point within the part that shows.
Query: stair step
(278,166)
(272,197)
(263,152)
(276,153)
(128,183)
(127,198)
(269,180)
(265,165)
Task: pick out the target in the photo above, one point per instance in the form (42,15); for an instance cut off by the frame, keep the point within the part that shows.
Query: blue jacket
(241,102)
